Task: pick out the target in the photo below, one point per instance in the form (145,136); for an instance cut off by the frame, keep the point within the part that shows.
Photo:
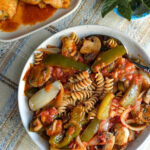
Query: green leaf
(147,3)
(107,6)
(140,10)
(124,9)
(135,4)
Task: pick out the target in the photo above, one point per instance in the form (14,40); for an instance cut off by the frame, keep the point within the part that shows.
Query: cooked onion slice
(124,122)
(44,96)
(50,50)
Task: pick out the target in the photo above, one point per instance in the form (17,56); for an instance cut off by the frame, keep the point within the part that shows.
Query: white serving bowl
(82,31)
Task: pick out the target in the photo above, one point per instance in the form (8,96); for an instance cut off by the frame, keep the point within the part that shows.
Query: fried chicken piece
(8,9)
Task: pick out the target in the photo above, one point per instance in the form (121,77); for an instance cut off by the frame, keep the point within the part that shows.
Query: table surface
(13,56)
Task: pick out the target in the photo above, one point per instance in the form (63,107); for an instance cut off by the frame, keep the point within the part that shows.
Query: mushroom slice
(91,47)
(122,134)
(110,141)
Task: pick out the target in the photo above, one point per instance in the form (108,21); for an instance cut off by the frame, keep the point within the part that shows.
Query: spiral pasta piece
(38,57)
(92,87)
(72,80)
(100,83)
(82,75)
(92,114)
(66,102)
(62,110)
(112,43)
(75,38)
(78,77)
(108,87)
(81,85)
(89,104)
(81,95)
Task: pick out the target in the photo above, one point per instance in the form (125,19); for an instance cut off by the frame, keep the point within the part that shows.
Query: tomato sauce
(62,74)
(48,116)
(27,15)
(122,68)
(48,87)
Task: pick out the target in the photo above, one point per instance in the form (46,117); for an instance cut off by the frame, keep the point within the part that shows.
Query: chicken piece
(131,135)
(40,3)
(122,134)
(58,3)
(110,141)
(33,2)
(8,9)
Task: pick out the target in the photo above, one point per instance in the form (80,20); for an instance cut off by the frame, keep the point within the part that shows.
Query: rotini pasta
(79,77)
(89,104)
(111,43)
(75,38)
(38,57)
(66,102)
(81,85)
(81,95)
(100,83)
(82,75)
(108,87)
(92,114)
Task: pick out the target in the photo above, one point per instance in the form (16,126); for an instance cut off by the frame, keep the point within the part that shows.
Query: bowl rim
(108,31)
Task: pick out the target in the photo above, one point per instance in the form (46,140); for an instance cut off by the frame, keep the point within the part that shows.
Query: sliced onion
(50,50)
(123,120)
(58,101)
(44,96)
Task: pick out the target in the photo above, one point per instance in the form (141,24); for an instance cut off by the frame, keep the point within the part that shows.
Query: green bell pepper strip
(56,139)
(91,130)
(104,107)
(64,62)
(77,116)
(57,142)
(131,95)
(106,58)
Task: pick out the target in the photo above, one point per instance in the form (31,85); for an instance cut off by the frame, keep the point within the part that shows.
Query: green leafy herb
(140,10)
(108,5)
(147,3)
(135,4)
(126,7)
